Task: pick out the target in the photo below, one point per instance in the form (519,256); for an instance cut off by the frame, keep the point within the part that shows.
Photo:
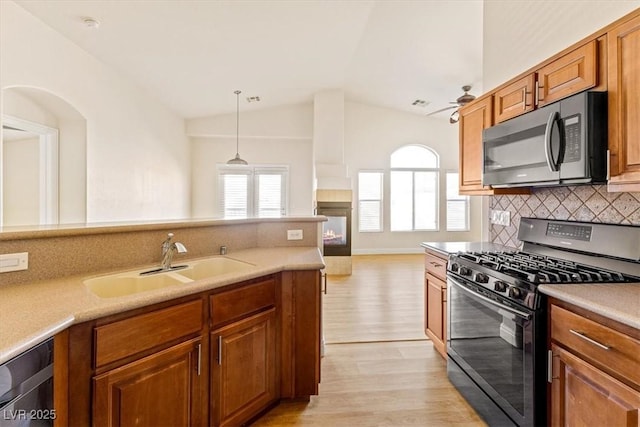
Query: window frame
(466,199)
(252,195)
(414,170)
(381,200)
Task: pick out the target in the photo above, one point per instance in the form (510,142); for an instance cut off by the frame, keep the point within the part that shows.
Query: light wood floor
(378,368)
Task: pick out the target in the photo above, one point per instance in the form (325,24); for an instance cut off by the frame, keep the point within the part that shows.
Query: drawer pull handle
(219,350)
(435,264)
(592,341)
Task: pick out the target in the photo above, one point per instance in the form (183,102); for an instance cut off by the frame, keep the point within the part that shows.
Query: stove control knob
(500,286)
(465,271)
(454,267)
(482,278)
(516,293)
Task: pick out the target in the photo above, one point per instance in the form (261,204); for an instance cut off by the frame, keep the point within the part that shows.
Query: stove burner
(538,269)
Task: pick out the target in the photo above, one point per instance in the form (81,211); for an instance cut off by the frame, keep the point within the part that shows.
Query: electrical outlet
(501,217)
(14,262)
(294,234)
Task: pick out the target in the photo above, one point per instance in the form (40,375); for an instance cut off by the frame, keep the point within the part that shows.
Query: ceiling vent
(420,103)
(251,99)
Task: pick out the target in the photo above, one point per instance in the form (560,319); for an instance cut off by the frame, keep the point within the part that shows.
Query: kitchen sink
(117,285)
(211,267)
(133,282)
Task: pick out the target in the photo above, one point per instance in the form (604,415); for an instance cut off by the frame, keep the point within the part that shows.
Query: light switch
(14,262)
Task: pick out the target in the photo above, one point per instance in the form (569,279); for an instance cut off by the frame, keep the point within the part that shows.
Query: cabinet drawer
(127,337)
(240,302)
(436,266)
(612,351)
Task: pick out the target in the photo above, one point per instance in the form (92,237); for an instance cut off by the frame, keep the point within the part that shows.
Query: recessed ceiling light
(91,22)
(420,103)
(253,99)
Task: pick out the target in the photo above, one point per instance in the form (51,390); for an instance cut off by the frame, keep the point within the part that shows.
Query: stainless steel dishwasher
(26,388)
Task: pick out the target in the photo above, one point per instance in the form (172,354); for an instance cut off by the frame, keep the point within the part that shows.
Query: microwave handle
(548,132)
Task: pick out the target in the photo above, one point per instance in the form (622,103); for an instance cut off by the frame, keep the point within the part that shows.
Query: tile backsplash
(589,203)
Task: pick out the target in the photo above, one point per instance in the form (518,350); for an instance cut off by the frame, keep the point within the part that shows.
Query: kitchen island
(178,353)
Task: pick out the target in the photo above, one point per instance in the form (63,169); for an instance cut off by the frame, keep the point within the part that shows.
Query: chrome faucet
(169,247)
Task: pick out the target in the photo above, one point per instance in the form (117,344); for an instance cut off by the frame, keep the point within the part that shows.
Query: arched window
(414,188)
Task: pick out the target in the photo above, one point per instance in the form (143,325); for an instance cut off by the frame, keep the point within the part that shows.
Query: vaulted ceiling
(192,55)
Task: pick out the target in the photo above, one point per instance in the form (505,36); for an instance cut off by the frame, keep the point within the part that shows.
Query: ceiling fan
(463,99)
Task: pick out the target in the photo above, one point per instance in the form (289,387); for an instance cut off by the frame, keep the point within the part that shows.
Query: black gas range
(497,341)
(515,275)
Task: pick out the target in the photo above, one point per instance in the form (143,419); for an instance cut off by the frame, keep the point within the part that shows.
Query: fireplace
(336,231)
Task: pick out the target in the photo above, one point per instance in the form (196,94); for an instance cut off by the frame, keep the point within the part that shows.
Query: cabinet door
(166,388)
(436,289)
(585,396)
(243,373)
(624,105)
(473,120)
(571,73)
(515,99)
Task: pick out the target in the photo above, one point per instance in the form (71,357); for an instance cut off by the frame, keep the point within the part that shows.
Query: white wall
(21,195)
(520,34)
(138,159)
(371,135)
(72,151)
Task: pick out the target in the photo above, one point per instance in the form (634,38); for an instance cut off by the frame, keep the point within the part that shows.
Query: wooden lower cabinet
(583,395)
(218,358)
(243,369)
(435,300)
(166,388)
(595,369)
(437,312)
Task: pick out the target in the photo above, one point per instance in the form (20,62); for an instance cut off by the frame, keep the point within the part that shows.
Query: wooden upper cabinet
(514,99)
(569,74)
(566,75)
(473,119)
(624,105)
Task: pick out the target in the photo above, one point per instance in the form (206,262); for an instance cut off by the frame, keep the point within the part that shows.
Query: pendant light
(237,160)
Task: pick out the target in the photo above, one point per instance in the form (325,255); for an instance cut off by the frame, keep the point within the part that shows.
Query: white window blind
(248,191)
(414,189)
(457,205)
(370,201)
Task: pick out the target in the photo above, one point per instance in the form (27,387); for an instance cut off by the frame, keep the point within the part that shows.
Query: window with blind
(414,189)
(370,201)
(457,205)
(250,191)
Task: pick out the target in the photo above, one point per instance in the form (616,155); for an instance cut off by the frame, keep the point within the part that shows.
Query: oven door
(492,344)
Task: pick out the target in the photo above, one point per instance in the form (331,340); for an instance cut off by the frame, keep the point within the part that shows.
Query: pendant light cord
(237,92)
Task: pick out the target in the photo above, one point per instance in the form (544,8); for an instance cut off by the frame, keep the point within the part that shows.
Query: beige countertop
(620,302)
(30,313)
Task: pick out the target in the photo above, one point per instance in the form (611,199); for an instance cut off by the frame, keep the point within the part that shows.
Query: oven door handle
(519,313)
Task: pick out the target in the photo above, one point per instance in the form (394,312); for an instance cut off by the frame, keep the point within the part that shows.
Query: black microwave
(563,143)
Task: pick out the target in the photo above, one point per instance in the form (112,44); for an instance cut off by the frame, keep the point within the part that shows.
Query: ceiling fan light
(455,116)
